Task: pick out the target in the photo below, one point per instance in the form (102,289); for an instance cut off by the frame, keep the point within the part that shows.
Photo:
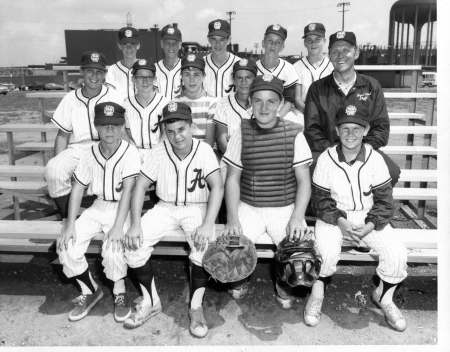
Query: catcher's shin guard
(198,278)
(143,276)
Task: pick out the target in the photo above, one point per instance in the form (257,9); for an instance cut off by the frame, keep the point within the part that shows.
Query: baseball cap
(128,35)
(278,30)
(219,27)
(245,64)
(192,60)
(176,111)
(143,64)
(353,114)
(314,28)
(109,113)
(349,37)
(170,32)
(93,59)
(267,82)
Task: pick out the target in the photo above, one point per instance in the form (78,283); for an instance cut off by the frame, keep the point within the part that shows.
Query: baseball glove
(230,258)
(297,263)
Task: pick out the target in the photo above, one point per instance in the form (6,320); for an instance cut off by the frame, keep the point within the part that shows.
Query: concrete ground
(35,299)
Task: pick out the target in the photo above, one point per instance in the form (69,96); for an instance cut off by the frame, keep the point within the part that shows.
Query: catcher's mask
(297,263)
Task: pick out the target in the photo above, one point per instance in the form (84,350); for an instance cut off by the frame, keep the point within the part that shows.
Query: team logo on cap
(128,33)
(340,35)
(170,30)
(172,106)
(217,25)
(95,57)
(312,26)
(350,110)
(243,62)
(276,27)
(142,62)
(108,110)
(267,77)
(190,58)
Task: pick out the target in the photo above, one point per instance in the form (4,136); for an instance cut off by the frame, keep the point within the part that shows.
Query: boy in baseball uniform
(201,103)
(109,169)
(268,184)
(74,118)
(119,74)
(219,63)
(316,64)
(352,198)
(190,189)
(168,69)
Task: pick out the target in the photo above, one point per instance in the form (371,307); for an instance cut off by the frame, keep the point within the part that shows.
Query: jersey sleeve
(302,153)
(62,115)
(83,171)
(133,163)
(232,155)
(381,175)
(297,67)
(290,76)
(212,110)
(127,107)
(209,158)
(149,166)
(220,114)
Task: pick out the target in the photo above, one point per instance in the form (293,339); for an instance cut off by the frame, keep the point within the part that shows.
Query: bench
(39,236)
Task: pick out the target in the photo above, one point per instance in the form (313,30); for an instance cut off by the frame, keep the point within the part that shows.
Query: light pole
(343,4)
(230,13)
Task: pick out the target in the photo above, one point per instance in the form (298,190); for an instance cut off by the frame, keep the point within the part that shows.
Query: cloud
(209,13)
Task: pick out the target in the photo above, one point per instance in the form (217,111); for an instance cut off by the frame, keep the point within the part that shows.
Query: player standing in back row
(219,63)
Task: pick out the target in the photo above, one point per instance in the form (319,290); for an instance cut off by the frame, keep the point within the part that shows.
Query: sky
(32,31)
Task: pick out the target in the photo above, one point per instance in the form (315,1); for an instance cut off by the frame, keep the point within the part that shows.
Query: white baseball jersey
(229,113)
(75,113)
(232,156)
(218,81)
(105,176)
(178,181)
(120,77)
(168,81)
(309,73)
(351,185)
(143,121)
(202,112)
(284,71)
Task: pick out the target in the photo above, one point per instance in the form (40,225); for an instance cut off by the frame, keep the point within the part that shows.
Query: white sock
(119,287)
(197,298)
(146,298)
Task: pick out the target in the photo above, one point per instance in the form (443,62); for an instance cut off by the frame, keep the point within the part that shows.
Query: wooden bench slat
(415,193)
(46,94)
(410,95)
(22,170)
(24,187)
(406,116)
(418,175)
(27,127)
(409,149)
(413,130)
(35,146)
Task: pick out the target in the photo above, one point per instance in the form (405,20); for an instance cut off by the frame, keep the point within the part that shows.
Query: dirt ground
(35,299)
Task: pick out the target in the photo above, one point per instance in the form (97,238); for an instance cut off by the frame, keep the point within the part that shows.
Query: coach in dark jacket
(344,86)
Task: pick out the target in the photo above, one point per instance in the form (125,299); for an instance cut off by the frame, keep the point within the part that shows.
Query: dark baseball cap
(170,32)
(219,27)
(245,64)
(93,59)
(348,37)
(267,82)
(193,60)
(109,113)
(128,35)
(174,111)
(143,64)
(278,30)
(353,114)
(314,28)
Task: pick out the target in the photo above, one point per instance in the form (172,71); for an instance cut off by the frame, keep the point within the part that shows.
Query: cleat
(122,309)
(393,315)
(84,303)
(312,311)
(198,326)
(283,298)
(142,313)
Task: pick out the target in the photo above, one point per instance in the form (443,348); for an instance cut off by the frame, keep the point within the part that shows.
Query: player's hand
(201,235)
(232,228)
(134,238)
(67,234)
(114,239)
(363,229)
(346,228)
(296,228)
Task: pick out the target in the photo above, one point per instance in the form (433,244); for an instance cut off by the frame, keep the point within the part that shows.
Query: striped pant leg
(392,255)
(328,241)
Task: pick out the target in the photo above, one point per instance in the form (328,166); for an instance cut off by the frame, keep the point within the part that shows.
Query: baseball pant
(59,169)
(99,218)
(159,220)
(255,221)
(391,252)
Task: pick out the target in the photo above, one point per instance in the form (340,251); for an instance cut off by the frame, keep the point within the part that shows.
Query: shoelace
(315,308)
(393,311)
(80,300)
(120,300)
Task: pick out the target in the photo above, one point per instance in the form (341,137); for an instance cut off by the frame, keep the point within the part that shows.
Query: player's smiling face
(170,47)
(351,135)
(343,56)
(265,104)
(192,80)
(129,50)
(179,134)
(109,134)
(314,44)
(242,80)
(218,43)
(93,78)
(143,80)
(273,44)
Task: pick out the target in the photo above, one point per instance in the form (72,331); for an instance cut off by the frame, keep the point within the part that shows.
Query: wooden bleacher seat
(415,193)
(36,146)
(413,116)
(410,150)
(22,170)
(413,130)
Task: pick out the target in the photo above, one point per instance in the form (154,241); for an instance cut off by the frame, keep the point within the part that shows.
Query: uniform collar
(360,157)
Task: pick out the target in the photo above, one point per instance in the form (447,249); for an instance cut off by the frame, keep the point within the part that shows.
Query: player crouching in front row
(109,168)
(352,198)
(192,205)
